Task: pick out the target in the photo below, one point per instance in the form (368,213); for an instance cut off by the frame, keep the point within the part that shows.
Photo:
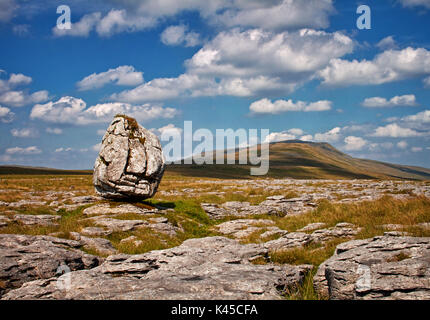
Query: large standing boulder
(130,163)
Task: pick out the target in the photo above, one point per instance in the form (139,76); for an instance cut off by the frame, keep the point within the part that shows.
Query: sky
(301,68)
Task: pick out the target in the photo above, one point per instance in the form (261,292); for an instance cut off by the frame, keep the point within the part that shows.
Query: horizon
(310,73)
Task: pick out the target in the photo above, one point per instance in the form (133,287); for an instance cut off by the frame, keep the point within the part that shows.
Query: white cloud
(291,134)
(179,35)
(353,143)
(101,132)
(332,135)
(24,151)
(141,15)
(57,131)
(307,137)
(6,116)
(9,95)
(416,149)
(63,150)
(266,106)
(387,43)
(72,110)
(393,130)
(21,29)
(247,63)
(402,144)
(24,133)
(416,3)
(389,66)
(115,21)
(378,102)
(121,76)
(169,129)
(96,147)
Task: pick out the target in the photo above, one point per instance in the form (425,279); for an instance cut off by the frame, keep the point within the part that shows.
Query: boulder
(130,163)
(384,267)
(206,268)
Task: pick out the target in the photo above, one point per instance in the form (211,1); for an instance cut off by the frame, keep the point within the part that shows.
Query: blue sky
(299,68)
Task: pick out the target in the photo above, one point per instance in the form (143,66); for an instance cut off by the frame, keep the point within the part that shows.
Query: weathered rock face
(387,267)
(130,163)
(26,258)
(207,268)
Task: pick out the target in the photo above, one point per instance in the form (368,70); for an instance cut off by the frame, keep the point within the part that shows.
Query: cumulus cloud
(141,15)
(247,63)
(23,151)
(169,129)
(393,130)
(402,144)
(291,134)
(63,150)
(11,95)
(24,133)
(265,106)
(115,21)
(332,135)
(179,35)
(353,143)
(387,43)
(74,111)
(121,76)
(6,116)
(378,102)
(389,66)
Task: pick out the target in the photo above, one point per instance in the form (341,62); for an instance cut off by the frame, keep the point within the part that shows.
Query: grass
(188,215)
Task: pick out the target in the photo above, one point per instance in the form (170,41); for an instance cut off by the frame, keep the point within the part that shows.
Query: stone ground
(214,239)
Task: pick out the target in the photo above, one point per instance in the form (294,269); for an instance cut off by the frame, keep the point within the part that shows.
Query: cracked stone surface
(43,220)
(386,267)
(105,209)
(130,163)
(26,258)
(103,246)
(206,268)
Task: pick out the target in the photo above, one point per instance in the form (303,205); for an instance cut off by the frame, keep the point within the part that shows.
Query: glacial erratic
(130,162)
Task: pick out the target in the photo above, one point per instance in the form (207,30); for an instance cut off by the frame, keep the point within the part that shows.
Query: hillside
(309,160)
(288,159)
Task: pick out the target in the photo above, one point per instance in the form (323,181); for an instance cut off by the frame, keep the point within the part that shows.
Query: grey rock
(207,268)
(312,226)
(385,267)
(103,246)
(242,228)
(341,230)
(95,231)
(43,220)
(4,221)
(26,258)
(130,163)
(118,225)
(105,209)
(289,241)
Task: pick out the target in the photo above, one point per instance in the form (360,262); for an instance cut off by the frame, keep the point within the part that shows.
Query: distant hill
(25,170)
(309,160)
(288,159)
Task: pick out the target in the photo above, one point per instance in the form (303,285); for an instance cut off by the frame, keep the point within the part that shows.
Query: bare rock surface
(95,231)
(130,163)
(101,245)
(242,227)
(105,209)
(4,221)
(43,219)
(207,268)
(26,258)
(273,205)
(385,267)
